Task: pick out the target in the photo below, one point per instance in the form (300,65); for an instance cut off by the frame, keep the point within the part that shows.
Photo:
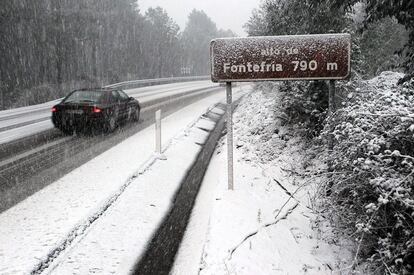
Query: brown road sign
(296,57)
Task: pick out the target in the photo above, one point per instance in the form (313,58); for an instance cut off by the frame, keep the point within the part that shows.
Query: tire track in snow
(167,239)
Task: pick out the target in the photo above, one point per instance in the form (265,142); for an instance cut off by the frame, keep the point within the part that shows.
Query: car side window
(123,95)
(115,96)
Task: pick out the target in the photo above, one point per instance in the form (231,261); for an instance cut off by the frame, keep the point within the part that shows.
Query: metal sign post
(331,110)
(229,136)
(332,103)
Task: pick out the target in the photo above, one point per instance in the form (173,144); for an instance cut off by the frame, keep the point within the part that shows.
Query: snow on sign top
(295,57)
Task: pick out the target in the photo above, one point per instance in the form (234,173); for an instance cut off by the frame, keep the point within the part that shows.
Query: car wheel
(111,124)
(136,114)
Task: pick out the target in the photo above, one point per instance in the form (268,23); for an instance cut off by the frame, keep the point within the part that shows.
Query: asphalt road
(53,155)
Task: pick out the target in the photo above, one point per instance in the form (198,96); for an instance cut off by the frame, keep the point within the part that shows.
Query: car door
(116,105)
(124,100)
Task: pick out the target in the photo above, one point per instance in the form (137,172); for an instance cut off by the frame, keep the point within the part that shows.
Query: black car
(90,109)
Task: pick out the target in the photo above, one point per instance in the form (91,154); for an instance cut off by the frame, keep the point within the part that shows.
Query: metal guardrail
(156,81)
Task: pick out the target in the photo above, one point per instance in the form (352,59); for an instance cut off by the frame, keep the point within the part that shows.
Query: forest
(50,47)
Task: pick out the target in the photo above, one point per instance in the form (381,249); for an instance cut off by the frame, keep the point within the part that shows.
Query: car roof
(97,90)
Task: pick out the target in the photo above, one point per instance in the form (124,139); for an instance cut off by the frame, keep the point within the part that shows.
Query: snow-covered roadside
(33,230)
(116,241)
(267,224)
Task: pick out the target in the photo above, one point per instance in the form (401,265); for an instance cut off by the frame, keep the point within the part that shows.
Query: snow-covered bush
(305,105)
(372,184)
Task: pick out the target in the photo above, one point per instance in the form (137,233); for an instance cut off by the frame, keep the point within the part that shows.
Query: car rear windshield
(85,97)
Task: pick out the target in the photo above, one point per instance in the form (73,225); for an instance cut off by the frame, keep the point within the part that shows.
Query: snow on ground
(115,242)
(267,225)
(36,228)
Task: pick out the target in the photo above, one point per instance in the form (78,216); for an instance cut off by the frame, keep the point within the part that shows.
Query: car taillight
(97,110)
(54,110)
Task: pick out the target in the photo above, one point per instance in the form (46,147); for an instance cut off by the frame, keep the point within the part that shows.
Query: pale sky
(227,14)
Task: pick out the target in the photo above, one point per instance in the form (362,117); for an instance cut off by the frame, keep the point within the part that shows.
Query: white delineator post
(158,132)
(229,136)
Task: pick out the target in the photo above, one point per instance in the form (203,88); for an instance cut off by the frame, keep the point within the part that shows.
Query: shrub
(372,195)
(305,104)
